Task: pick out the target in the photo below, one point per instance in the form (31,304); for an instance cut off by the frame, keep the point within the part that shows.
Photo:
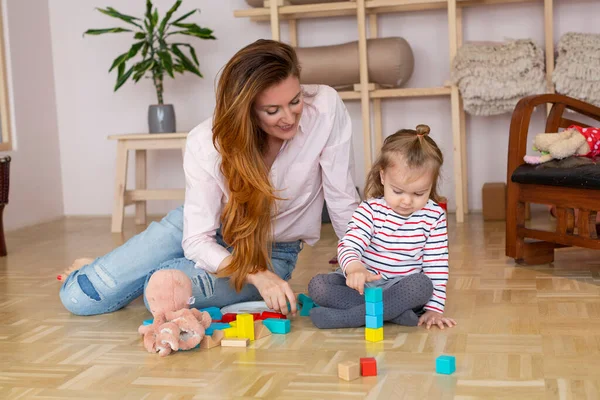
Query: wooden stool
(123,197)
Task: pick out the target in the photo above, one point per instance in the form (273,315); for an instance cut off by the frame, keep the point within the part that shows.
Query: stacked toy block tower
(374,315)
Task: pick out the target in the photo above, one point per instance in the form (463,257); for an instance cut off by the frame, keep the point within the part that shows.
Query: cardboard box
(494,201)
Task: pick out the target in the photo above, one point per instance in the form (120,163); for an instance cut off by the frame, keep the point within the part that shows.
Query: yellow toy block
(245,326)
(231,332)
(233,324)
(374,335)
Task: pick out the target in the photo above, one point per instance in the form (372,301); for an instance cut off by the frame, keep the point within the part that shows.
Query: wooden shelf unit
(325,10)
(277,10)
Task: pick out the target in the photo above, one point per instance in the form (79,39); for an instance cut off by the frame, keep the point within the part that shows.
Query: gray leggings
(344,307)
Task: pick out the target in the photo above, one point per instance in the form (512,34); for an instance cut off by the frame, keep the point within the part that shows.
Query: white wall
(88,110)
(35,188)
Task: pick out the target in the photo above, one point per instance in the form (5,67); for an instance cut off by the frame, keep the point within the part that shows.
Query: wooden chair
(567,189)
(4,185)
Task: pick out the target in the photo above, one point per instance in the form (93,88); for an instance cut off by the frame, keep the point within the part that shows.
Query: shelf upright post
(364,81)
(454,23)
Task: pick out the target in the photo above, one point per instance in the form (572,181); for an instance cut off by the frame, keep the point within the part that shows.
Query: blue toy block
(302,298)
(374,308)
(275,325)
(306,304)
(148,321)
(305,309)
(373,294)
(374,321)
(215,313)
(216,325)
(445,365)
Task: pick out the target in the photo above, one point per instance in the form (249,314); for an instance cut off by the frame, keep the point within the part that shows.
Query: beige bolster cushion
(390,61)
(260,3)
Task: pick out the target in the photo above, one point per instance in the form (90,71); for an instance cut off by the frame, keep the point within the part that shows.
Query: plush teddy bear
(573,141)
(175,326)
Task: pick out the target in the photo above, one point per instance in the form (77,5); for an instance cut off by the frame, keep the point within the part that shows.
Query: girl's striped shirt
(392,245)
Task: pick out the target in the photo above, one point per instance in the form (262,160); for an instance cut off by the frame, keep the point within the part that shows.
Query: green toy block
(275,325)
(445,365)
(373,295)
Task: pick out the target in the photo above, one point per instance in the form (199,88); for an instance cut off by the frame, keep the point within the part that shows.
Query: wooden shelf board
(410,92)
(302,11)
(349,95)
(398,93)
(372,7)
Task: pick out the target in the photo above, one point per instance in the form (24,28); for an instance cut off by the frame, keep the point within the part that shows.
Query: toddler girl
(396,240)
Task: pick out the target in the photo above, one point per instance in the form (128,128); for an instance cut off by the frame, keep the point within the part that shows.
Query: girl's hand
(435,318)
(275,291)
(357,275)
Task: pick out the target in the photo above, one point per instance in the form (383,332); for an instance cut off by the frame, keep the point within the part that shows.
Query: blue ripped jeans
(117,278)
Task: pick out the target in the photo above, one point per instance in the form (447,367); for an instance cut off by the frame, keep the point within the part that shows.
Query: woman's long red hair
(246,218)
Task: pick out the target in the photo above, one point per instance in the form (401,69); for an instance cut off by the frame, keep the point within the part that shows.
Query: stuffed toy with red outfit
(573,141)
(575,146)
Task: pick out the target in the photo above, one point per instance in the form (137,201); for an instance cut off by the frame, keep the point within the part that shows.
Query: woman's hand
(357,275)
(275,291)
(435,318)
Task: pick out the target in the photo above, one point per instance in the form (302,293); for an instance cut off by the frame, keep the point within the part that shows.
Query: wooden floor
(523,333)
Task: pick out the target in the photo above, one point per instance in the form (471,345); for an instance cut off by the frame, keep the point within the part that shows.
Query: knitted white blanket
(493,77)
(577,72)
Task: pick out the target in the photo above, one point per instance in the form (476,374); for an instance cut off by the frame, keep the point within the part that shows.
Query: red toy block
(368,366)
(229,317)
(268,314)
(256,316)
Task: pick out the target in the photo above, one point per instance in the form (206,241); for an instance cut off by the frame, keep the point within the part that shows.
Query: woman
(256,177)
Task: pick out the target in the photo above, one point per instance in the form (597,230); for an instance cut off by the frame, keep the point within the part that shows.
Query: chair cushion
(583,177)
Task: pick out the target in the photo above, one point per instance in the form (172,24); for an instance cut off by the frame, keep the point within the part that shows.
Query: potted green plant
(160,54)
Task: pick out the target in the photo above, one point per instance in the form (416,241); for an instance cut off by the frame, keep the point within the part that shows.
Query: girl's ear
(381,177)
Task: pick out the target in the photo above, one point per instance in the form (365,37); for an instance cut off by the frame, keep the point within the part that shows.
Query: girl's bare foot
(77,264)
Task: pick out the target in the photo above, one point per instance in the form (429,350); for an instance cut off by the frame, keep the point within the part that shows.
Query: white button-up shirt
(315,165)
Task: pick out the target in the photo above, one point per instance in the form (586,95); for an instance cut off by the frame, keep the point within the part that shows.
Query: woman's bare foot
(77,264)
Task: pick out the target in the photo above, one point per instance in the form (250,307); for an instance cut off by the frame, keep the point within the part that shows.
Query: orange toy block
(349,370)
(208,342)
(235,342)
(260,330)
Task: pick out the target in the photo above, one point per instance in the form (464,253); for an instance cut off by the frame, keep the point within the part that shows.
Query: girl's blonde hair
(416,149)
(246,218)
